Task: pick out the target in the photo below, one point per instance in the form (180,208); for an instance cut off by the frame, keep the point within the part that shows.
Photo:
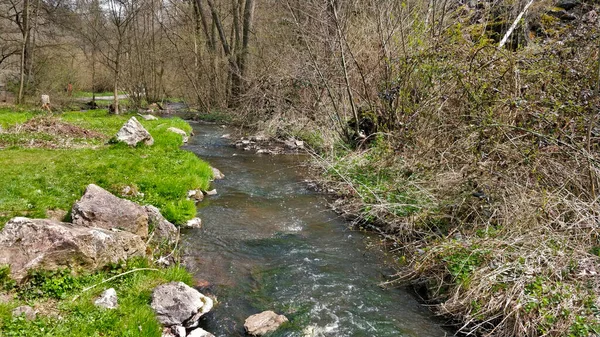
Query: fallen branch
(112,278)
(514,25)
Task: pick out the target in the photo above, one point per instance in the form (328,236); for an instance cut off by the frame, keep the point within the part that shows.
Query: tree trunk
(24,50)
(248,19)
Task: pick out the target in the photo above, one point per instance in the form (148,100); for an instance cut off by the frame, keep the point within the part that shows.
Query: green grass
(63,316)
(33,180)
(98,94)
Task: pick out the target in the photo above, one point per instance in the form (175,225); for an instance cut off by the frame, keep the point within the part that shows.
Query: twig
(514,25)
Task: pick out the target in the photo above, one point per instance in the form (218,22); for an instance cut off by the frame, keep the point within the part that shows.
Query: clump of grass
(33,180)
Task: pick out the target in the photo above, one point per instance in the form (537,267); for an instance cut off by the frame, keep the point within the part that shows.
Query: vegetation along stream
(268,243)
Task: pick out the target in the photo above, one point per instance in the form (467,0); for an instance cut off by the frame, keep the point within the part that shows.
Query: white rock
(133,132)
(200,333)
(194,223)
(211,192)
(263,323)
(176,303)
(196,195)
(183,134)
(108,299)
(217,175)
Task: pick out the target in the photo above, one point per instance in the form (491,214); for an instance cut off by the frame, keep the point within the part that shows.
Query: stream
(268,243)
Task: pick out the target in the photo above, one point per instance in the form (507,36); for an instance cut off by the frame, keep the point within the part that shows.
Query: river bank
(46,162)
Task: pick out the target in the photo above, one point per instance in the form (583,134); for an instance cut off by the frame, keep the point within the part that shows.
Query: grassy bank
(45,164)
(65,308)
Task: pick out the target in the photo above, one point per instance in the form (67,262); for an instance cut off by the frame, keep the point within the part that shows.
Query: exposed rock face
(176,303)
(163,229)
(108,299)
(200,333)
(98,208)
(46,244)
(183,134)
(217,175)
(29,313)
(133,132)
(263,323)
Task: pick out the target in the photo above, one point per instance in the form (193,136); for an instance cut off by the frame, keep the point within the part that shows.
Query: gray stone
(217,175)
(263,323)
(195,195)
(99,208)
(183,134)
(194,223)
(211,192)
(200,333)
(29,313)
(108,299)
(46,244)
(176,303)
(133,132)
(164,231)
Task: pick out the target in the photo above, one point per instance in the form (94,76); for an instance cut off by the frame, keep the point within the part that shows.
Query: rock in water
(164,231)
(200,333)
(46,244)
(217,175)
(99,208)
(263,323)
(29,313)
(108,299)
(211,192)
(183,134)
(194,223)
(133,132)
(176,303)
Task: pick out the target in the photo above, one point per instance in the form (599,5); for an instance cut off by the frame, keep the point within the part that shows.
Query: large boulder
(164,231)
(133,132)
(99,208)
(263,323)
(47,244)
(176,303)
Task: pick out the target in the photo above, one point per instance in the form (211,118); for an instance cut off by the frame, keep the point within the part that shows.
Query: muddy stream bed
(269,243)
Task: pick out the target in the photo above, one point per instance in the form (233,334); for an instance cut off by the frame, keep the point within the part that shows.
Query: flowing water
(268,243)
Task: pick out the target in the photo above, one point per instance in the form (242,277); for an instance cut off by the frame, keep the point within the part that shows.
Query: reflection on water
(267,243)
